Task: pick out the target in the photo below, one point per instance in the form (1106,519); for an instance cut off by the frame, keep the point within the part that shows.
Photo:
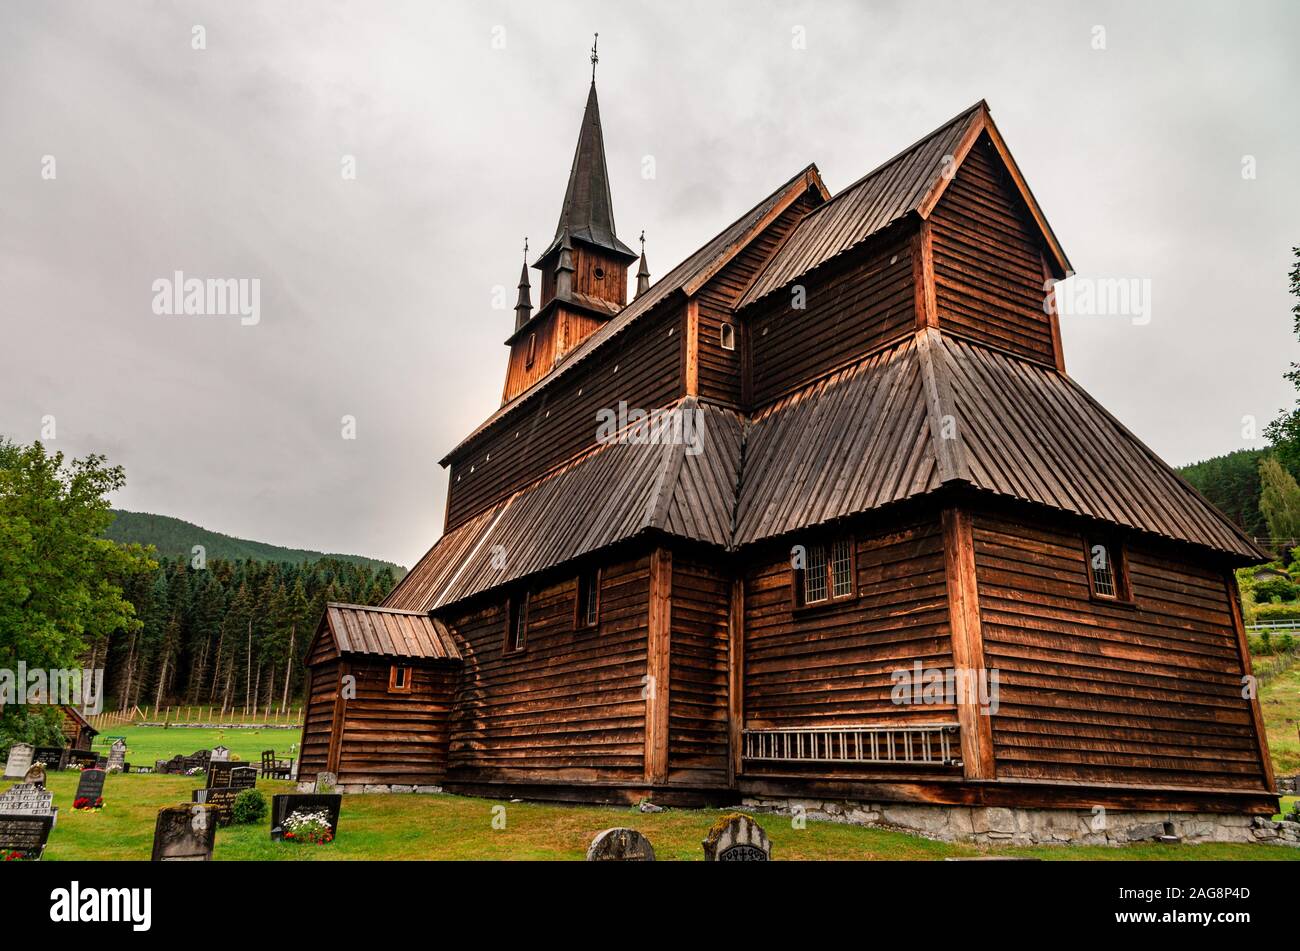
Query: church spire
(524,305)
(643,273)
(588,211)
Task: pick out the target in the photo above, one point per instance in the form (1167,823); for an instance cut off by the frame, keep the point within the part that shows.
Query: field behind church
(444,827)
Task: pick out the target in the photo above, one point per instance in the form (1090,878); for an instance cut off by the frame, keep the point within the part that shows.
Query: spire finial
(643,240)
(594,58)
(525,249)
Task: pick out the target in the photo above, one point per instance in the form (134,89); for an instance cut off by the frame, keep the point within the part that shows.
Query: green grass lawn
(1279,699)
(145,744)
(455,827)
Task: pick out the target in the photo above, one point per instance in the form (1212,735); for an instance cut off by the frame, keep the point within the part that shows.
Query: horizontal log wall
(988,264)
(853,307)
(318,718)
(570,706)
(697,710)
(396,737)
(719,369)
(1098,692)
(831,665)
(642,367)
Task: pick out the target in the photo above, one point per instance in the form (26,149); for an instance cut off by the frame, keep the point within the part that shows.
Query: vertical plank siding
(853,307)
(698,723)
(988,263)
(570,706)
(832,665)
(1105,693)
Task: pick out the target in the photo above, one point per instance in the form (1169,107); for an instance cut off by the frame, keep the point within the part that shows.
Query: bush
(249,807)
(1276,612)
(37,725)
(1275,590)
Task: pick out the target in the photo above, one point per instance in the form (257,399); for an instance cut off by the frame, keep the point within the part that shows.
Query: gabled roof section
(388,632)
(588,211)
(937,411)
(654,477)
(685,277)
(910,183)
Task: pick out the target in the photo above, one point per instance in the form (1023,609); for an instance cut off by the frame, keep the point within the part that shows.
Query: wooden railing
(933,744)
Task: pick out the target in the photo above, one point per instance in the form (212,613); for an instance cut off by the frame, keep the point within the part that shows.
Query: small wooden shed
(381,683)
(76,728)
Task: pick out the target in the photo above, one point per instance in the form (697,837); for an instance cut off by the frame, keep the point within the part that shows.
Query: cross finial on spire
(643,240)
(525,249)
(594,58)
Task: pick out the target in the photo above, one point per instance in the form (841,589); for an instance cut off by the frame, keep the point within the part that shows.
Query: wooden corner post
(658,666)
(335,754)
(1256,711)
(735,677)
(967,644)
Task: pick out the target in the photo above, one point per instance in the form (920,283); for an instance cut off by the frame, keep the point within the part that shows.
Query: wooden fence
(188,715)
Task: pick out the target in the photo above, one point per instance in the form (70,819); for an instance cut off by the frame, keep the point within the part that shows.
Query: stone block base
(356,789)
(990,825)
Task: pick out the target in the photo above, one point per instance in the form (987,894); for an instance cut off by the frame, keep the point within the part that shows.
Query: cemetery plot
(620,845)
(90,790)
(117,755)
(20,758)
(23,837)
(305,817)
(51,757)
(184,833)
(737,838)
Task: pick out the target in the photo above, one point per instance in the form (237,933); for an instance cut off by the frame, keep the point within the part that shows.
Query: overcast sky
(377,292)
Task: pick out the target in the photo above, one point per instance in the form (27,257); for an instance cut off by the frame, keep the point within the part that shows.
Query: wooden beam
(927,306)
(1058,352)
(968,139)
(735,676)
(691,348)
(967,643)
(1243,649)
(658,666)
(336,724)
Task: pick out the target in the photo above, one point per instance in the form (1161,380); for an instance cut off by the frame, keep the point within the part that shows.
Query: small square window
(727,336)
(516,623)
(587,609)
(823,572)
(399,679)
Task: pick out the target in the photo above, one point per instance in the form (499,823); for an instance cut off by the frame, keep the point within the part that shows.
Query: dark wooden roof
(388,632)
(910,183)
(936,410)
(685,276)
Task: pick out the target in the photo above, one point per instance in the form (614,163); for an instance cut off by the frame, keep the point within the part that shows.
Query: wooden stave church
(925,424)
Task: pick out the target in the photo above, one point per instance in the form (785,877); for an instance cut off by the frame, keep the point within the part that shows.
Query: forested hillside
(1231,482)
(231,635)
(176,538)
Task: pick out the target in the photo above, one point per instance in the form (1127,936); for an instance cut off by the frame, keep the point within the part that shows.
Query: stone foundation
(355,789)
(989,825)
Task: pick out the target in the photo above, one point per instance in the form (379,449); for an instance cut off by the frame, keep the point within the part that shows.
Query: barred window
(1102,565)
(841,568)
(517,622)
(814,575)
(587,610)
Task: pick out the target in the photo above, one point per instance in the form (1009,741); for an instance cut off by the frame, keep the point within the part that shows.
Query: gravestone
(28,799)
(325,782)
(90,786)
(117,754)
(51,757)
(620,845)
(35,774)
(184,833)
(737,838)
(24,835)
(220,754)
(221,799)
(243,777)
(20,757)
(286,804)
(81,758)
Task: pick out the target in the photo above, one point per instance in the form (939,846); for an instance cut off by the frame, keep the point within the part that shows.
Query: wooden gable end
(989,261)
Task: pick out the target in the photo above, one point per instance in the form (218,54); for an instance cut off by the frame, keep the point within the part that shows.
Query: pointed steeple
(588,211)
(524,305)
(643,273)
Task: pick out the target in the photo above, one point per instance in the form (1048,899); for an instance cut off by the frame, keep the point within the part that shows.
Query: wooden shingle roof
(388,632)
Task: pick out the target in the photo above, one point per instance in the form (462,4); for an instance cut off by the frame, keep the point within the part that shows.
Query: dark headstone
(286,804)
(90,786)
(620,845)
(737,838)
(184,834)
(221,799)
(25,835)
(20,757)
(243,777)
(52,758)
(81,758)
